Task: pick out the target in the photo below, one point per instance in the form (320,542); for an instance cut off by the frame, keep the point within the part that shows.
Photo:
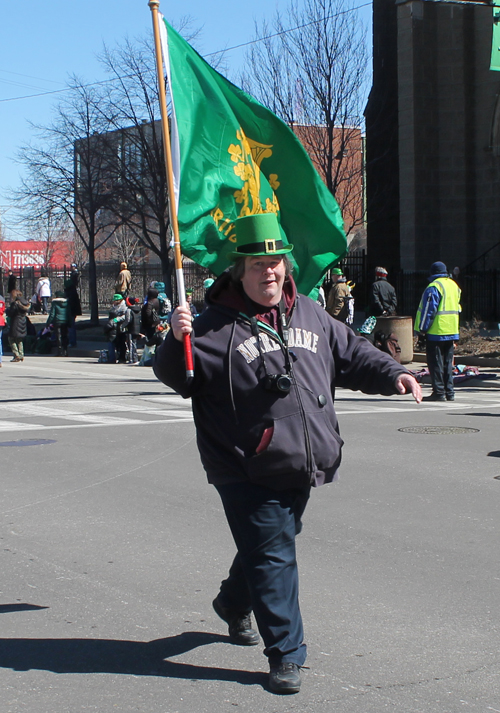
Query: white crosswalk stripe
(114,411)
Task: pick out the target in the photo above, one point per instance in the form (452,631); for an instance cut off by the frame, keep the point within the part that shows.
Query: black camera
(280,383)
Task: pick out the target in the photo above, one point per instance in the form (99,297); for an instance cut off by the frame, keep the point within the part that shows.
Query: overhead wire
(210,54)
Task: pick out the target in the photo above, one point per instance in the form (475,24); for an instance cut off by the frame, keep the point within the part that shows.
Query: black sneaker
(434,397)
(239,623)
(450,397)
(284,677)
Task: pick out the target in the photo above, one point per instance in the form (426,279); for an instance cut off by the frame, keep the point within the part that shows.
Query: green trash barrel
(402,327)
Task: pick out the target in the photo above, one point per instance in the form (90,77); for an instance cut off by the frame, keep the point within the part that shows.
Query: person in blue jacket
(438,319)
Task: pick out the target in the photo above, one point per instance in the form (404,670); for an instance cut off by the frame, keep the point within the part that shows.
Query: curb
(467,360)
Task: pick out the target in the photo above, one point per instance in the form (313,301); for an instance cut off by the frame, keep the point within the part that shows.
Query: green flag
(495,44)
(233,157)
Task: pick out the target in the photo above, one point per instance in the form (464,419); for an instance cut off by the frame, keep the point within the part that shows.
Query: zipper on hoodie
(267,328)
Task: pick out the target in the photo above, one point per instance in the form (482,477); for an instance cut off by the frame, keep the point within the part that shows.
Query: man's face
(263,279)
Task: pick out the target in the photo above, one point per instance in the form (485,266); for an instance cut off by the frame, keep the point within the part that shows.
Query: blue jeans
(440,363)
(1,345)
(264,575)
(133,357)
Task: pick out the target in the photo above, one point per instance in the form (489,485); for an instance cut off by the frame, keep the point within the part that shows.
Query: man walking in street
(266,364)
(438,319)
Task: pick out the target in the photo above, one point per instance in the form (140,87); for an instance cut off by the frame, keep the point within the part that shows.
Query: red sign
(16,254)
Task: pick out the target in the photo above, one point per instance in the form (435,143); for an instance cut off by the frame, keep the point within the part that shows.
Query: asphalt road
(113,546)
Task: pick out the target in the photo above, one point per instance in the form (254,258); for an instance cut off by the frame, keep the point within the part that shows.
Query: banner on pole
(233,157)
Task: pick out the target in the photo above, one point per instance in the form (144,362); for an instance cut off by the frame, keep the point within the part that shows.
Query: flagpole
(154,6)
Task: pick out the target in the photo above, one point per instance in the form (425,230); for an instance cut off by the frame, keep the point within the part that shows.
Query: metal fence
(480,290)
(480,298)
(142,276)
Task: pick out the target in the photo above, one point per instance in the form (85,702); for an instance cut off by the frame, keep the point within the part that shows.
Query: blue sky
(42,43)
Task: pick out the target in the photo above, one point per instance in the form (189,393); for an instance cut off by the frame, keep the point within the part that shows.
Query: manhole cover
(438,430)
(32,442)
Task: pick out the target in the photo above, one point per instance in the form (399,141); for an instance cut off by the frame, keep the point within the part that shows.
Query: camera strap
(284,335)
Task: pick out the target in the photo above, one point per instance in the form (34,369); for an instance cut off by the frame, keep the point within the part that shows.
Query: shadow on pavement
(477,413)
(136,658)
(19,606)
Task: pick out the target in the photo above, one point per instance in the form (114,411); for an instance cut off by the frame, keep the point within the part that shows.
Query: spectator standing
(11,283)
(133,328)
(74,308)
(191,305)
(165,304)
(337,304)
(123,281)
(60,319)
(74,275)
(43,291)
(2,325)
(383,300)
(150,317)
(18,326)
(438,319)
(119,317)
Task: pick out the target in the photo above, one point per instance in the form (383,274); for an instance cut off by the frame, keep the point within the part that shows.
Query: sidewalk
(90,338)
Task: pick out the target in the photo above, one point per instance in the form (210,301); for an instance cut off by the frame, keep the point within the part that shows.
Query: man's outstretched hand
(406,383)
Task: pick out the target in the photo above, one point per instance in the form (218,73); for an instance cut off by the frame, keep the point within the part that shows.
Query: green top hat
(257,235)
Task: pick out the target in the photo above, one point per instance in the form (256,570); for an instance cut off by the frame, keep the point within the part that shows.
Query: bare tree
(67,175)
(135,161)
(138,166)
(314,77)
(47,229)
(126,244)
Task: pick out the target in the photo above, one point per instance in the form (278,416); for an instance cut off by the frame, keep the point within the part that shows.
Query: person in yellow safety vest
(438,319)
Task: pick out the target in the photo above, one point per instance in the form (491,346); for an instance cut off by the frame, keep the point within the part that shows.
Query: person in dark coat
(133,328)
(11,284)
(60,318)
(18,326)
(383,300)
(74,275)
(266,364)
(191,304)
(150,314)
(74,307)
